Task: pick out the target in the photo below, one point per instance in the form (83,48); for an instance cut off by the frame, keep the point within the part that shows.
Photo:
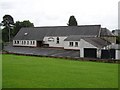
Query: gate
(108,54)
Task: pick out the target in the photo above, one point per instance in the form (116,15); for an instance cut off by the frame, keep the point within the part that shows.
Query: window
(57,40)
(17,42)
(33,42)
(70,43)
(24,42)
(27,42)
(51,39)
(76,44)
(25,34)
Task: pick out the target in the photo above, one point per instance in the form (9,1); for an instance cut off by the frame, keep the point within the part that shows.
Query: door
(39,43)
(90,52)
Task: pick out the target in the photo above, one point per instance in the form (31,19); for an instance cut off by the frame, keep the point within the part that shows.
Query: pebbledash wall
(32,43)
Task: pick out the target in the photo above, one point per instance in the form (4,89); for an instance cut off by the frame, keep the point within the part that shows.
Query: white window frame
(33,42)
(76,44)
(15,42)
(71,44)
(22,42)
(57,40)
(27,42)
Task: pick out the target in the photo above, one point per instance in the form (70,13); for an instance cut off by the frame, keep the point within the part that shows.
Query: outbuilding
(116,48)
(91,47)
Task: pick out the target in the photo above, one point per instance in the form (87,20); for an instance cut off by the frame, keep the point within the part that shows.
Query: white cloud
(57,12)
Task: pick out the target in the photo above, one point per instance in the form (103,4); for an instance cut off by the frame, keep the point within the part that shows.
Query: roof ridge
(62,26)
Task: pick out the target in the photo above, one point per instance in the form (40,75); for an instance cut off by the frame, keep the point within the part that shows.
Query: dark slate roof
(38,33)
(106,32)
(98,42)
(76,37)
(32,34)
(74,30)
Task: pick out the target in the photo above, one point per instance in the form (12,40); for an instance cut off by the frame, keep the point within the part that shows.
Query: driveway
(42,51)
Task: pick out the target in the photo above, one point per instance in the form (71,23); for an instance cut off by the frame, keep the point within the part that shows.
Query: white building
(66,37)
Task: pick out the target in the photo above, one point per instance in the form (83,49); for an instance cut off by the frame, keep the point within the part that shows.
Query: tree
(72,21)
(5,34)
(18,25)
(8,22)
(11,29)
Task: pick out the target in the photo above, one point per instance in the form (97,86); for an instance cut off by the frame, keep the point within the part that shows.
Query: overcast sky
(57,12)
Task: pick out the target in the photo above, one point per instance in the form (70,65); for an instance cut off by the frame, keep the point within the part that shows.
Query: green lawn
(42,72)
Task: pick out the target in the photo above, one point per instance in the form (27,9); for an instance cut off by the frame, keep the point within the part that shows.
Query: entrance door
(39,43)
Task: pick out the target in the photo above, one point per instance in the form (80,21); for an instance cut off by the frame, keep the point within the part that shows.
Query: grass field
(41,72)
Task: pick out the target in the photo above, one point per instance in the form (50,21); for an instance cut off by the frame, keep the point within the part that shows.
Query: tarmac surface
(55,52)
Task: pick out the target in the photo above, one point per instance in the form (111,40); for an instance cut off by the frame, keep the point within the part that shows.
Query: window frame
(22,42)
(33,42)
(71,44)
(27,42)
(76,44)
(58,40)
(15,42)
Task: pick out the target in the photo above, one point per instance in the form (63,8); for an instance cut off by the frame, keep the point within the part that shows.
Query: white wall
(54,43)
(28,43)
(84,44)
(67,45)
(117,54)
